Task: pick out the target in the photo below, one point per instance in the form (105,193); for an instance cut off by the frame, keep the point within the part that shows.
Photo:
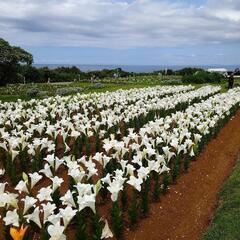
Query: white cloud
(118,24)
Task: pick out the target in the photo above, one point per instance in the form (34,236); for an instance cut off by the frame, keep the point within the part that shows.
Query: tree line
(16,67)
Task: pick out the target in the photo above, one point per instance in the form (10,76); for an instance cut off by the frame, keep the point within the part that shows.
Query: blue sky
(127,32)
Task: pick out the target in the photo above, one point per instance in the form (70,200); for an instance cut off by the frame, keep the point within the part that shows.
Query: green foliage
(31,74)
(226,222)
(13,54)
(67,91)
(157,189)
(201,77)
(133,210)
(166,182)
(44,234)
(56,197)
(10,59)
(96,227)
(6,231)
(117,220)
(124,198)
(33,92)
(81,227)
(175,169)
(145,197)
(188,71)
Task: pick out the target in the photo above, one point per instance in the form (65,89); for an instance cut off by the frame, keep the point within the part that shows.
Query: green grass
(52,88)
(17,91)
(226,222)
(12,98)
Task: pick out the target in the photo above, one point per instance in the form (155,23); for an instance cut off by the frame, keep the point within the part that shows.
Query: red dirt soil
(186,210)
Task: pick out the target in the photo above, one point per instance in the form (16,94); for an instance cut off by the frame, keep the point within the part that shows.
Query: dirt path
(186,211)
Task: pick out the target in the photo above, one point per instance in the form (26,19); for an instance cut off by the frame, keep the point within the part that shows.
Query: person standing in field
(231,81)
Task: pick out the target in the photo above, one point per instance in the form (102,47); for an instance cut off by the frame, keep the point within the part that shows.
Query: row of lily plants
(66,191)
(24,147)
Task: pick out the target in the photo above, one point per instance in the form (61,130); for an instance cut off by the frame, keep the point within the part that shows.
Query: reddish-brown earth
(186,211)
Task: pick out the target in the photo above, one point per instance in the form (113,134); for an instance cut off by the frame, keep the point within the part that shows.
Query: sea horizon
(133,68)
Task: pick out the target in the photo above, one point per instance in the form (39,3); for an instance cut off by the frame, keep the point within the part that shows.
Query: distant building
(218,70)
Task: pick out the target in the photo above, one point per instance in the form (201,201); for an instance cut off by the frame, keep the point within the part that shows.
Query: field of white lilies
(89,165)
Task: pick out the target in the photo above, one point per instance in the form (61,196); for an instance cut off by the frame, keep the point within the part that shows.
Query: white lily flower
(164,169)
(58,163)
(45,194)
(56,232)
(106,179)
(12,218)
(87,201)
(68,200)
(174,143)
(31,150)
(54,218)
(28,203)
(48,210)
(22,187)
(11,199)
(197,138)
(154,165)
(98,157)
(67,214)
(114,188)
(76,174)
(130,169)
(57,181)
(84,188)
(34,217)
(2,187)
(168,153)
(107,146)
(4,146)
(143,172)
(3,199)
(47,171)
(50,159)
(135,182)
(106,232)
(192,154)
(105,160)
(14,153)
(35,178)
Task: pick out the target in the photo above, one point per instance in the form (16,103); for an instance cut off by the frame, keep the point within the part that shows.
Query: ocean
(134,68)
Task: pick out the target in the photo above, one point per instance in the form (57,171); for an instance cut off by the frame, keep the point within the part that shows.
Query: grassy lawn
(20,92)
(16,91)
(226,222)
(12,98)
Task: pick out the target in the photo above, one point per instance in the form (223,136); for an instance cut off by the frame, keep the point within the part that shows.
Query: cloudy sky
(145,32)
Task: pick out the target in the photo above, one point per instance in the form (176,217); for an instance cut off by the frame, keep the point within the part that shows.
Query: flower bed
(75,185)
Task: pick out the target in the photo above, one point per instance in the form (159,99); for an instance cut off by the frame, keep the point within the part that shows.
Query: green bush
(203,77)
(33,93)
(67,91)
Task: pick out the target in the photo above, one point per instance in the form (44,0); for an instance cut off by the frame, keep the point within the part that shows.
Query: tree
(189,71)
(11,58)
(31,74)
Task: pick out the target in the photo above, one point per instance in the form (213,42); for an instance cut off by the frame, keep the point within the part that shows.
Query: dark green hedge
(203,77)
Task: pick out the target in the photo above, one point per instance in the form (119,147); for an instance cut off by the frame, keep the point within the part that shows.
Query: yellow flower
(18,234)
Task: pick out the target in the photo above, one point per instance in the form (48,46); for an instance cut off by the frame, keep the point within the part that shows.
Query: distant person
(230,81)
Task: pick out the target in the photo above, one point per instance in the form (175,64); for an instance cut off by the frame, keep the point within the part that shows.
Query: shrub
(33,93)
(203,77)
(67,91)
(99,85)
(173,82)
